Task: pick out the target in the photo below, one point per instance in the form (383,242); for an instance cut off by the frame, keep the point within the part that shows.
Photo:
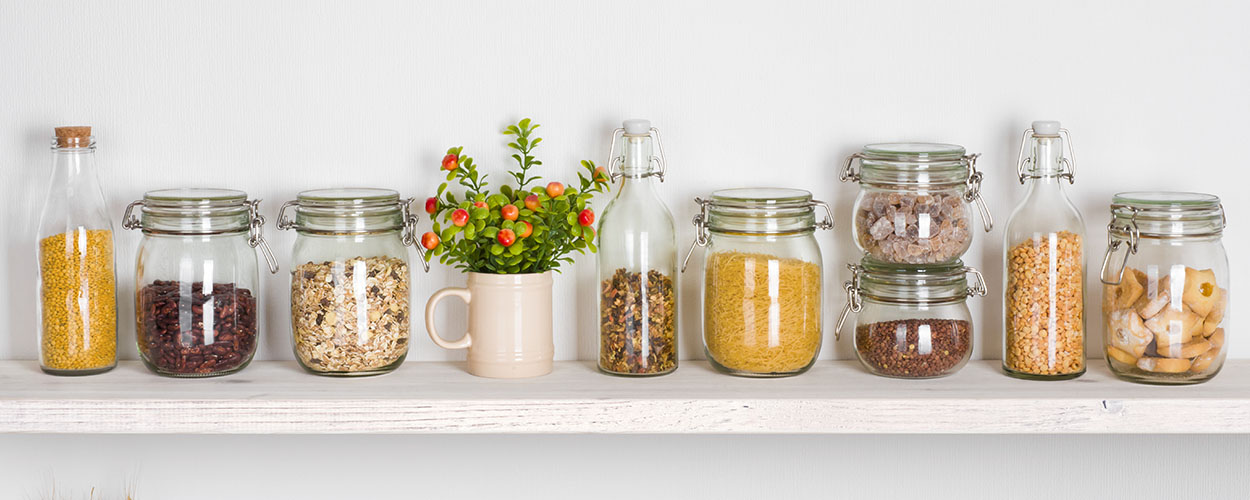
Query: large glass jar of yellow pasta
(762,280)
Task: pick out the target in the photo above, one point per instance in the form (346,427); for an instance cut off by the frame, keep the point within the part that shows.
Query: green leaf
(479,224)
(470,232)
(496,249)
(479,212)
(524,123)
(451,175)
(571,218)
(535,142)
(490,232)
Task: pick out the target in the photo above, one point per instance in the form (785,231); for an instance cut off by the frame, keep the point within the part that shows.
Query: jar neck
(74,168)
(1045,160)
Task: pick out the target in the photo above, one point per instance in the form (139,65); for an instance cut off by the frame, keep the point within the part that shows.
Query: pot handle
(464,341)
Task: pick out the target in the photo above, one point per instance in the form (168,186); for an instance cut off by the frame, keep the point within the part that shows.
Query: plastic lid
(637,126)
(1045,127)
(348,197)
(914,151)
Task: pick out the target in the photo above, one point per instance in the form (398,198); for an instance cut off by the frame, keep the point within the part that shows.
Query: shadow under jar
(1165,288)
(914,203)
(762,287)
(350,307)
(196,280)
(912,321)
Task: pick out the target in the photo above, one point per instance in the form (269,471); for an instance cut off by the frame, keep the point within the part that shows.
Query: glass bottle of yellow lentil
(1044,265)
(77,283)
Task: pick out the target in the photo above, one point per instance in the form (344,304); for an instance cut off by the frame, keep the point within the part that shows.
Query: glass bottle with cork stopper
(1045,263)
(637,260)
(77,285)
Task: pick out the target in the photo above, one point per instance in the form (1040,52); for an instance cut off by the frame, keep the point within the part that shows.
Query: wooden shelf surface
(428,397)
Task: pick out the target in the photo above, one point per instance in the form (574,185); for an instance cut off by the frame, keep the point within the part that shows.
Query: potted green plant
(508,242)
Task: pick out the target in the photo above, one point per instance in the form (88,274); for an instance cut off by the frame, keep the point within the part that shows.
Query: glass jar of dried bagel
(1165,287)
(915,202)
(762,280)
(350,310)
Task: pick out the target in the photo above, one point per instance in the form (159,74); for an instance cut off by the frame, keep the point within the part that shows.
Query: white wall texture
(280,96)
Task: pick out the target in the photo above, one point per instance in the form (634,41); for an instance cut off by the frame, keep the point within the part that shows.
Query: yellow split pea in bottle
(77,282)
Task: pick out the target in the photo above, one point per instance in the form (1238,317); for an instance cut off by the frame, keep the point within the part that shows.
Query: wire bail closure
(1067,164)
(256,234)
(973,194)
(408,236)
(1113,243)
(616,164)
(701,236)
(854,302)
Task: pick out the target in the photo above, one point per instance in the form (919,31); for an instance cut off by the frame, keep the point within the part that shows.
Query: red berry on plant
(480,204)
(529,229)
(601,174)
(429,240)
(509,212)
(451,162)
(555,189)
(506,237)
(586,218)
(532,203)
(431,205)
(460,217)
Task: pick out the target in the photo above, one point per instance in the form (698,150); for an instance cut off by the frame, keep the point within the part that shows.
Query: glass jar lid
(345,211)
(914,164)
(769,211)
(200,212)
(190,211)
(908,285)
(1165,214)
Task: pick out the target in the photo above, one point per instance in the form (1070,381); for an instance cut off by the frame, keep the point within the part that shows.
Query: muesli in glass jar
(1165,287)
(350,307)
(915,200)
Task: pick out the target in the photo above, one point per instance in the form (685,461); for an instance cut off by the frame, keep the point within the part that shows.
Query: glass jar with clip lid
(912,321)
(196,280)
(350,307)
(762,286)
(914,203)
(1165,300)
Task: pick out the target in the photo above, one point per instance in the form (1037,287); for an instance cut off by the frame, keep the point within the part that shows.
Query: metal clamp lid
(973,194)
(854,293)
(702,231)
(616,167)
(1067,164)
(408,232)
(1130,229)
(255,228)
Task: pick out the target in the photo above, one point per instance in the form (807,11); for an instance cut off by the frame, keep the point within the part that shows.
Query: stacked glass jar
(913,221)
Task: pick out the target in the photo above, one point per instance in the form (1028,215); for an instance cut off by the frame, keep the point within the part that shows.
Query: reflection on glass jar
(762,280)
(1165,288)
(196,280)
(914,203)
(350,309)
(913,322)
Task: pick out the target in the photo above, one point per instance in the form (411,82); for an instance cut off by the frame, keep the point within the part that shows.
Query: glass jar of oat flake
(915,201)
(350,310)
(762,286)
(1165,279)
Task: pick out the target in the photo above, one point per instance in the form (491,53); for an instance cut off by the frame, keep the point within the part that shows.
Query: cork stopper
(73,137)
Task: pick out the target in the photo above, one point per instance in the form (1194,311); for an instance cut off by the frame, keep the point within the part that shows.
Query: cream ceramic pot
(509,324)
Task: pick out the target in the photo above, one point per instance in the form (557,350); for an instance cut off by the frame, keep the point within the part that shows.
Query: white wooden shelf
(834,397)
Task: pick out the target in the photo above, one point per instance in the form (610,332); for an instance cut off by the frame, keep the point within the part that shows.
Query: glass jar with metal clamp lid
(762,287)
(196,280)
(637,260)
(912,321)
(914,203)
(1165,287)
(350,308)
(1044,264)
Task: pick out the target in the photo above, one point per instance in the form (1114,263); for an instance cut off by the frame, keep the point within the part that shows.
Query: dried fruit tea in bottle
(637,260)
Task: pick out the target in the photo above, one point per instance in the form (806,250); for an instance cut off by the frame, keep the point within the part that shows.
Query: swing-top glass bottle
(637,260)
